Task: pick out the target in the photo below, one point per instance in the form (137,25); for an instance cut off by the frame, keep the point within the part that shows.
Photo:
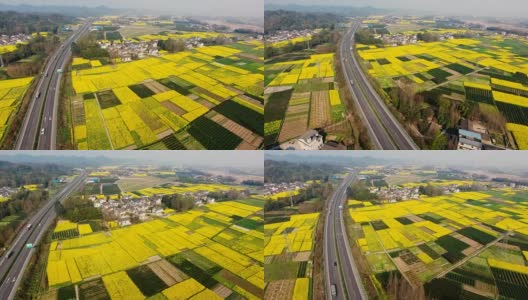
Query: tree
(178,202)
(439,141)
(431,190)
(427,37)
(364,36)
(172,45)
(269,51)
(409,103)
(359,191)
(78,208)
(88,48)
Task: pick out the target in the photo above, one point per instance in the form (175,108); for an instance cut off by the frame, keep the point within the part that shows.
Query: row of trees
(15,175)
(15,23)
(21,204)
(277,20)
(320,191)
(283,171)
(173,45)
(182,203)
(38,48)
(324,41)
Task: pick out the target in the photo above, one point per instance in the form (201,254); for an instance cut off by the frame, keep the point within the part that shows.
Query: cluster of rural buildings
(393,194)
(286,35)
(125,209)
(14,39)
(398,39)
(312,140)
(274,188)
(473,135)
(130,50)
(6,191)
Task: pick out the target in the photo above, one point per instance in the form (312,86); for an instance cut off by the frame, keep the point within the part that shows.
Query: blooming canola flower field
(300,94)
(485,233)
(207,98)
(11,93)
(221,239)
(288,256)
(489,71)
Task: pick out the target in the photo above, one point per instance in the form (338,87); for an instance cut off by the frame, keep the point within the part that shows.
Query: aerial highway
(39,128)
(342,278)
(14,261)
(384,129)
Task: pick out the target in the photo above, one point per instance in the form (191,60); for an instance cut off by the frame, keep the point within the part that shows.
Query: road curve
(384,129)
(340,267)
(12,268)
(45,100)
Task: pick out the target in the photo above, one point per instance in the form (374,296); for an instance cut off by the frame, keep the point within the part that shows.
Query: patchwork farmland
(466,245)
(485,75)
(207,98)
(288,257)
(212,252)
(300,95)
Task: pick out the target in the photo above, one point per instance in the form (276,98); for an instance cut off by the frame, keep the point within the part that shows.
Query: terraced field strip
(320,110)
(247,135)
(296,120)
(167,272)
(156,87)
(280,289)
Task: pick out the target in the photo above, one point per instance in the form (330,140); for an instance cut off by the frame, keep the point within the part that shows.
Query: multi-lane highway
(16,258)
(39,128)
(384,129)
(342,278)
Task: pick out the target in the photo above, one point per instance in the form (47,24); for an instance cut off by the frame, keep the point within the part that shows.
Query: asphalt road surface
(12,268)
(40,123)
(340,268)
(384,129)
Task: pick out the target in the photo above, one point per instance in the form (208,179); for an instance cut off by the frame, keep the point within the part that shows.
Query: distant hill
(74,11)
(350,11)
(17,174)
(275,20)
(22,22)
(59,159)
(331,158)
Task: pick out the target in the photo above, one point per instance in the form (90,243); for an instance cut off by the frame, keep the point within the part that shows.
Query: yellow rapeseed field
(120,287)
(132,122)
(209,232)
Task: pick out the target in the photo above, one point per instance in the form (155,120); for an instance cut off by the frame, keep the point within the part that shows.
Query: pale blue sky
(239,8)
(214,159)
(502,8)
(506,160)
